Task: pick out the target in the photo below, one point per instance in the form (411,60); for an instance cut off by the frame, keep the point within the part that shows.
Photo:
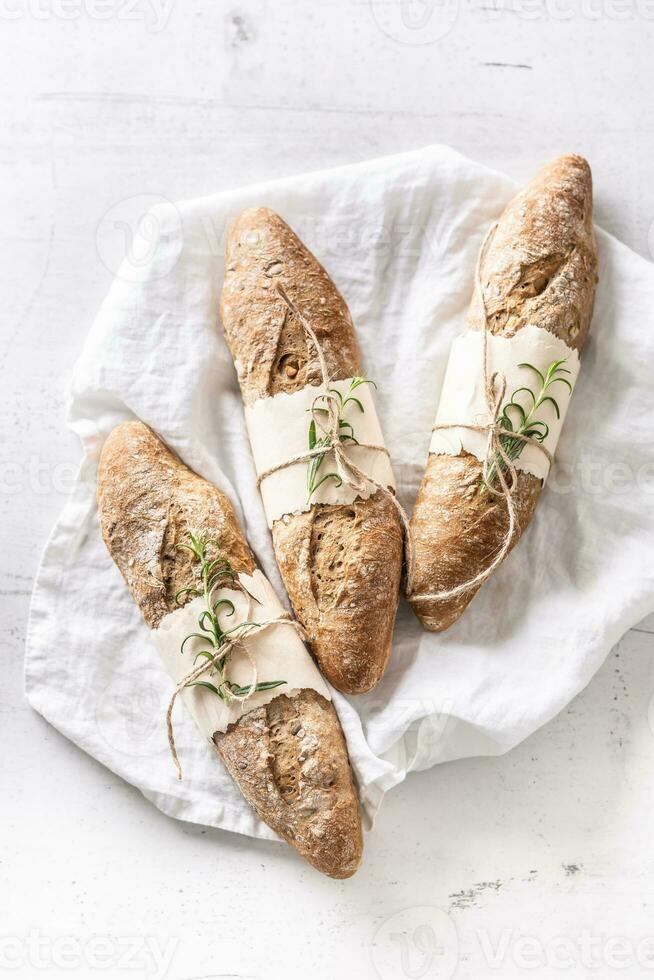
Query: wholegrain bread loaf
(539,269)
(341,564)
(289,756)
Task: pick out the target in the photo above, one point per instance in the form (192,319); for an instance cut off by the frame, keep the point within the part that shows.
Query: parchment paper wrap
(279,428)
(462,397)
(278,651)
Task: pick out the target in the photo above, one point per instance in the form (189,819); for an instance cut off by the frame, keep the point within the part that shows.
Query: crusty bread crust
(341,564)
(288,757)
(149,501)
(290,761)
(540,268)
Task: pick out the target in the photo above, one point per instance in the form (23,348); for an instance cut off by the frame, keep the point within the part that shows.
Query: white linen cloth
(400,238)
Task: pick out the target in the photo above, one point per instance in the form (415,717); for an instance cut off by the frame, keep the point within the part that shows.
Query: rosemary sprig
(525,420)
(346,435)
(215,573)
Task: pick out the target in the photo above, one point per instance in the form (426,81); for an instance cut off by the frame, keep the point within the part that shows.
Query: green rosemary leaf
(247,689)
(347,436)
(227,603)
(328,476)
(357,382)
(240,690)
(219,581)
(268,685)
(212,573)
(529,426)
(211,567)
(204,615)
(357,401)
(209,687)
(548,398)
(339,396)
(529,392)
(200,636)
(185,547)
(195,545)
(554,367)
(535,370)
(315,463)
(239,626)
(538,426)
(203,653)
(190,590)
(312,470)
(516,407)
(562,380)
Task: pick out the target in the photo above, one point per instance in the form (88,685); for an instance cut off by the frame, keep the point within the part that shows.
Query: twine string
(494,391)
(497,462)
(236,641)
(326,415)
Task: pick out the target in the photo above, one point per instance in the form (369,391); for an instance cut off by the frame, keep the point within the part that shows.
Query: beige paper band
(278,428)
(277,651)
(463,399)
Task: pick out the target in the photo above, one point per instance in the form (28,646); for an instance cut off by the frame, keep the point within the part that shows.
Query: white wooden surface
(530,865)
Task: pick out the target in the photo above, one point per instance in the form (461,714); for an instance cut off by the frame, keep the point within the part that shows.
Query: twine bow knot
(217,657)
(327,404)
(351,474)
(325,412)
(497,462)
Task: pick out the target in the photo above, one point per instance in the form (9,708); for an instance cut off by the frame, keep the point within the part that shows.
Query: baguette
(289,756)
(540,268)
(341,563)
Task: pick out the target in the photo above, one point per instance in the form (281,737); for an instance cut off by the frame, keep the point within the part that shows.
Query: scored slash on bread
(288,757)
(541,269)
(341,563)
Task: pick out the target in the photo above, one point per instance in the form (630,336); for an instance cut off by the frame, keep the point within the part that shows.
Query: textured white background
(517,866)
